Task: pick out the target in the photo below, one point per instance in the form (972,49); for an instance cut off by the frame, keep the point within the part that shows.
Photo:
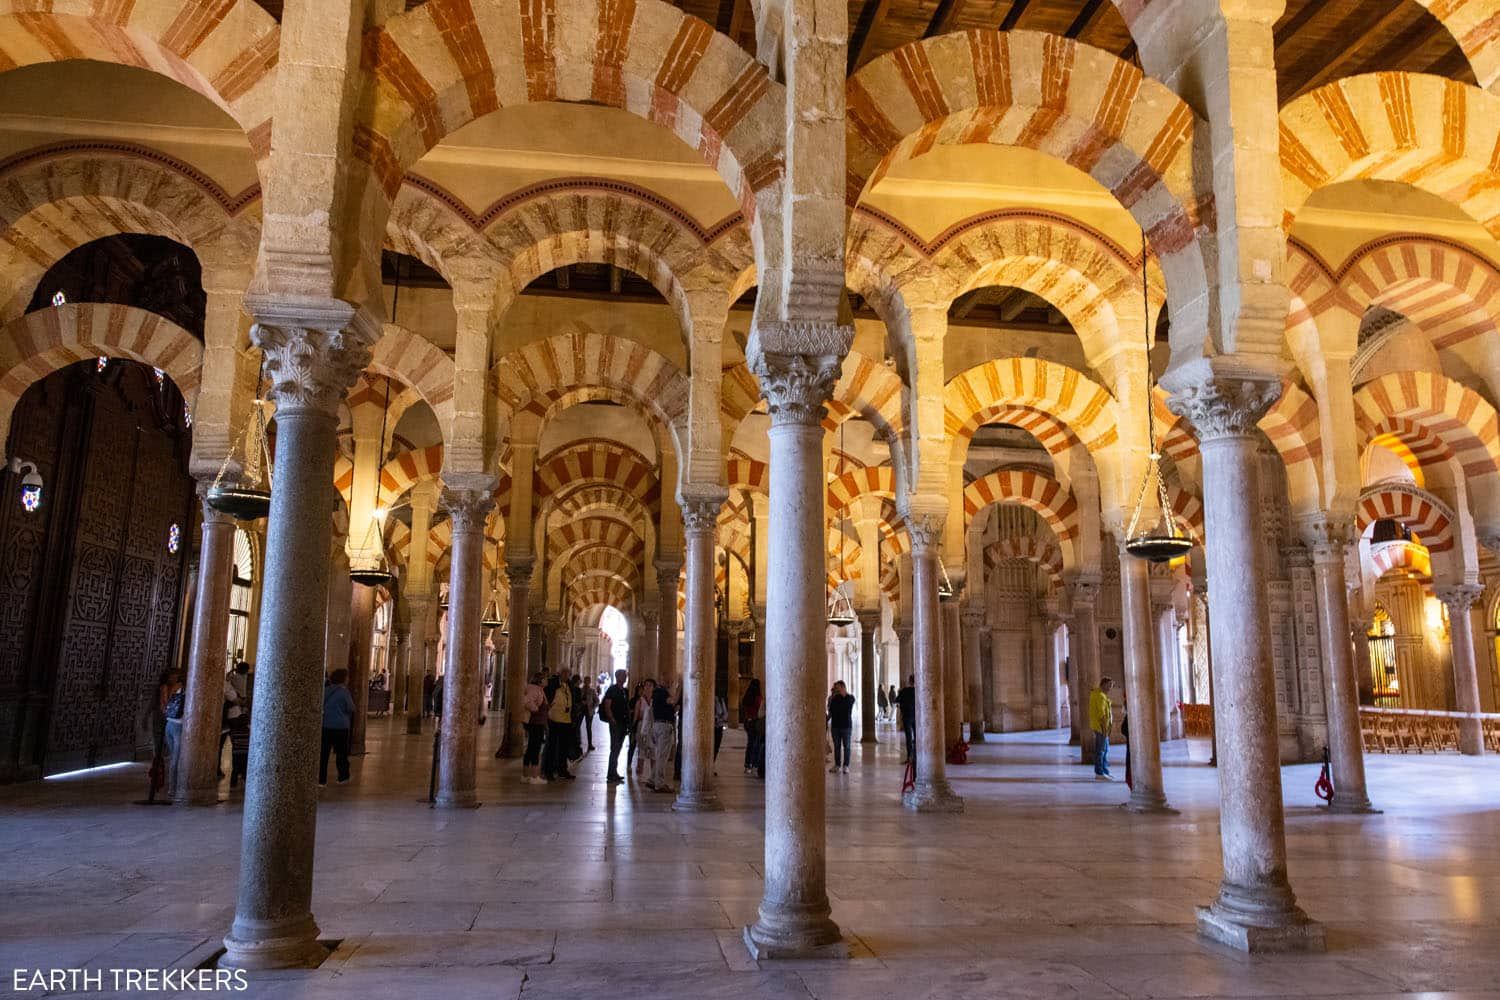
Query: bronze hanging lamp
(379,574)
(840,609)
(1166,540)
(247,496)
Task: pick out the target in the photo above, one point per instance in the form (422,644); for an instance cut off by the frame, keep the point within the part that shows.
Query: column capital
(312,351)
(667,574)
(648,617)
(518,570)
(468,508)
(1083,593)
(700,513)
(926,531)
(973,618)
(869,621)
(1225,406)
(1459,597)
(211,516)
(1327,535)
(797,365)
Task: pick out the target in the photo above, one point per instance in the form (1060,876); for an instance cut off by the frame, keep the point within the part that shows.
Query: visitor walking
(841,723)
(891,712)
(173,699)
(644,735)
(721,719)
(1101,721)
(239,749)
(560,730)
(752,707)
(590,707)
(614,710)
(428,685)
(534,711)
(338,716)
(882,703)
(906,709)
(663,736)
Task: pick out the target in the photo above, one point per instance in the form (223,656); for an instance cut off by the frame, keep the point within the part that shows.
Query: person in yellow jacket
(1101,721)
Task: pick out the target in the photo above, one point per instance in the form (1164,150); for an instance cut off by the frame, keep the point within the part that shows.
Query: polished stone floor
(1043,888)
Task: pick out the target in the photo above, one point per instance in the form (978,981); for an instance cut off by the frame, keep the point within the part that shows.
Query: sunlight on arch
(613,624)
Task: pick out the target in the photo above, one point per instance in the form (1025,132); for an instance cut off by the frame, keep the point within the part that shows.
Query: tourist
(751,708)
(173,700)
(644,733)
(338,716)
(721,719)
(534,711)
(614,709)
(590,707)
(882,703)
(576,714)
(239,679)
(906,705)
(1101,721)
(239,750)
(891,711)
(663,735)
(428,683)
(559,729)
(231,711)
(841,724)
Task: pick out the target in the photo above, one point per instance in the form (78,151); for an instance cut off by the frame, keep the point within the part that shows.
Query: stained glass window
(58,298)
(103,363)
(174,538)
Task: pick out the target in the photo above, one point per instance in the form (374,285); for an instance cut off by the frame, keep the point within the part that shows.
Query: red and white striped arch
(1449,291)
(409,468)
(749,475)
(597,530)
(872,480)
(1031,489)
(225,50)
(1405,556)
(1421,513)
(39,343)
(1043,92)
(1452,413)
(417,362)
(441,65)
(597,461)
(866,388)
(974,397)
(1427,131)
(1033,548)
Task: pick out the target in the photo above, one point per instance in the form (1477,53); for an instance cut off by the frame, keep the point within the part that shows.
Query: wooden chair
(1369,732)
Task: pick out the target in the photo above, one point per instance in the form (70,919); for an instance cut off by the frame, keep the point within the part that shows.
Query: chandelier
(247,496)
(840,609)
(1165,540)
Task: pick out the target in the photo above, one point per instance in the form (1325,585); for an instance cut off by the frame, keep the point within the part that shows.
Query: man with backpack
(614,711)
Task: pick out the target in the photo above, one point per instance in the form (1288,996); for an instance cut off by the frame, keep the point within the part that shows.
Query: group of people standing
(558,710)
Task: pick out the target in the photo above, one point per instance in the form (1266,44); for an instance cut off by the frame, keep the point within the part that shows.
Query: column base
(456,800)
(282,944)
(699,802)
(868,738)
(797,941)
(1149,805)
(933,797)
(1297,934)
(198,797)
(1351,805)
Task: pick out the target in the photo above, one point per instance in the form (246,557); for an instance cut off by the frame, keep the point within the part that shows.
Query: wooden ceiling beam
(943,17)
(871,15)
(1014,15)
(725,16)
(1084,19)
(1310,10)
(1354,50)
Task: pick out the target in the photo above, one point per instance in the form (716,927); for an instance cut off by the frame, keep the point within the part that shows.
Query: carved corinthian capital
(1459,597)
(926,531)
(700,514)
(1327,536)
(311,368)
(1224,406)
(468,509)
(798,365)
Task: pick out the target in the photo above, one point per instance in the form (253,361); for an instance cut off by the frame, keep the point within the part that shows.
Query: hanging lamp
(247,496)
(840,610)
(379,574)
(1166,540)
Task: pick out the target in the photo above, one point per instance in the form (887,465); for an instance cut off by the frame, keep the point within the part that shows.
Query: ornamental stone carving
(973,618)
(1224,407)
(926,531)
(1459,597)
(700,514)
(1327,536)
(310,368)
(518,571)
(1083,593)
(667,575)
(468,509)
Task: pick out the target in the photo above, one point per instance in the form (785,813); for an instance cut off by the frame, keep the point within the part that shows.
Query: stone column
(973,623)
(794,918)
(700,521)
(1330,537)
(1084,672)
(1141,691)
(416,660)
(1255,909)
(400,658)
(869,624)
(647,658)
(666,642)
(1041,666)
(932,792)
(203,711)
(1460,599)
(732,673)
(361,626)
(311,367)
(552,629)
(463,687)
(953,673)
(907,665)
(340,609)
(518,572)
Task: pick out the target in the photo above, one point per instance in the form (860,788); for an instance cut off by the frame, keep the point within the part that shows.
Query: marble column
(794,919)
(700,520)
(666,642)
(1041,669)
(1330,538)
(973,624)
(416,660)
(869,624)
(518,572)
(733,672)
(648,663)
(907,665)
(400,658)
(361,627)
(953,673)
(1460,599)
(203,710)
(1084,673)
(1142,693)
(552,629)
(1255,909)
(932,792)
(463,687)
(311,368)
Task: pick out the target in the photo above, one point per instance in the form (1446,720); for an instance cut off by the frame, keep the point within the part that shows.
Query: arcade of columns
(1273,397)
